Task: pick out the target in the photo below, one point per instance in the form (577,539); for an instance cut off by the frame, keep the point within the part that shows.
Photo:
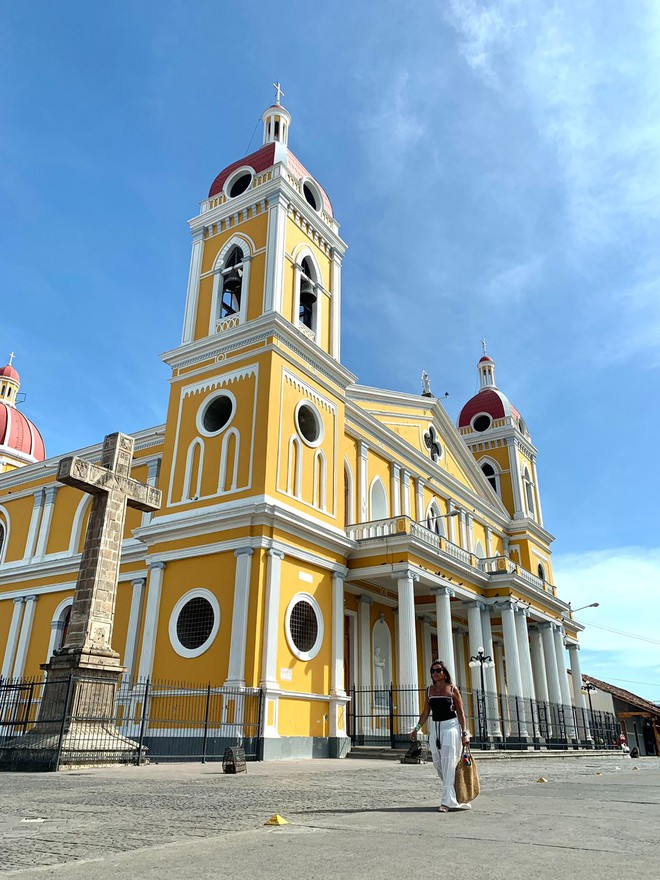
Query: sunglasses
(437,670)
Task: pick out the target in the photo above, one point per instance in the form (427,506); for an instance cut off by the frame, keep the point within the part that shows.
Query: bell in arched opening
(231,291)
(307,302)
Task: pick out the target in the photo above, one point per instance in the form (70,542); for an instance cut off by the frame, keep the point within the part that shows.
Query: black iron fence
(386,717)
(136,722)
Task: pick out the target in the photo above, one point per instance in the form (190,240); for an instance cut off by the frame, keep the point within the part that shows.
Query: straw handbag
(466,781)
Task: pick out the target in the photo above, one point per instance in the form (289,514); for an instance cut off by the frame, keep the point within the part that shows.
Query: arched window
(192,482)
(232,284)
(541,571)
(3,535)
(378,499)
(529,492)
(319,479)
(491,473)
(294,477)
(229,456)
(434,519)
(307,299)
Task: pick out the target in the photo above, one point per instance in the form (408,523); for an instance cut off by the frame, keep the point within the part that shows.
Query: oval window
(217,414)
(309,425)
(311,196)
(240,184)
(304,626)
(482,423)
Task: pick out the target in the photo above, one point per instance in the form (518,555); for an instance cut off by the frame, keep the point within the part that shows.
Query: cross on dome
(483,345)
(280,93)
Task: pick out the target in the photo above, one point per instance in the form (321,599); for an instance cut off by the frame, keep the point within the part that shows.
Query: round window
(311,196)
(217,413)
(194,623)
(309,425)
(482,423)
(304,626)
(240,184)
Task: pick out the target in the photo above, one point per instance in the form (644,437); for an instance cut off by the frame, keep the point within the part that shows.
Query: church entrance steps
(387,754)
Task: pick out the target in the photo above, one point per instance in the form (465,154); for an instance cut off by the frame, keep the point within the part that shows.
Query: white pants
(446,758)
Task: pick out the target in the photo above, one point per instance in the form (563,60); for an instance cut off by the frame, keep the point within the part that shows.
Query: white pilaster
(427,657)
(405,493)
(272,619)
(151,615)
(519,511)
(42,541)
(395,488)
(335,282)
(419,500)
(464,537)
(338,698)
(470,533)
(274,280)
(133,627)
(35,519)
(452,526)
(443,597)
(365,685)
(363,477)
(489,541)
(236,665)
(193,287)
(153,468)
(24,638)
(12,638)
(535,477)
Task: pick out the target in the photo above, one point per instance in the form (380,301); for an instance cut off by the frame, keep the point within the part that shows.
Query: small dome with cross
(19,438)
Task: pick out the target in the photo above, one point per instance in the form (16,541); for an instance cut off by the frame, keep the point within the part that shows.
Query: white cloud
(626,582)
(512,283)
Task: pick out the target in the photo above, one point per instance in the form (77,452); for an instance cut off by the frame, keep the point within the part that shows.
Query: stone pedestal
(76,718)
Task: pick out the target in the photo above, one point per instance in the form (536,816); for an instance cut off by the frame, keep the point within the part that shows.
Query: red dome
(18,434)
(486,358)
(490,401)
(9,372)
(265,158)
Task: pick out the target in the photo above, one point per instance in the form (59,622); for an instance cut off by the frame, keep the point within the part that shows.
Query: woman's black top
(442,708)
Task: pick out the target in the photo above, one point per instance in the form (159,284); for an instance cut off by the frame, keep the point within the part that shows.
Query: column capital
(443,591)
(365,600)
(243,551)
(138,582)
(364,448)
(275,553)
(572,646)
(522,610)
(426,619)
(475,603)
(408,574)
(545,624)
(31,598)
(340,574)
(18,600)
(156,565)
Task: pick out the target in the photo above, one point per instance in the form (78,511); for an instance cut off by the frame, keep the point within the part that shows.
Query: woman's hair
(446,671)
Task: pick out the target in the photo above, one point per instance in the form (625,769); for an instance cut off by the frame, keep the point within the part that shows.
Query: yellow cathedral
(318,539)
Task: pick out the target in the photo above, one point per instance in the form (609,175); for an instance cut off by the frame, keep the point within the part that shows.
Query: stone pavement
(359,818)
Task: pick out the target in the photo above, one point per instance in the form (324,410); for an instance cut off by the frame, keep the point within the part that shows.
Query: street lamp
(483,661)
(582,607)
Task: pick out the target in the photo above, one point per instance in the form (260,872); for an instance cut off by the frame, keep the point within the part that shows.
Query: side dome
(9,372)
(19,435)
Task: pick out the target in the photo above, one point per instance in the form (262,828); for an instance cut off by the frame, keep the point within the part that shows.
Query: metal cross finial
(278,89)
(11,358)
(483,345)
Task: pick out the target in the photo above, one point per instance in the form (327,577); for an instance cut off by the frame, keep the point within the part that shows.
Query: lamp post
(483,661)
(582,607)
(589,687)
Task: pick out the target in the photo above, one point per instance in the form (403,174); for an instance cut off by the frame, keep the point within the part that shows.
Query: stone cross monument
(82,675)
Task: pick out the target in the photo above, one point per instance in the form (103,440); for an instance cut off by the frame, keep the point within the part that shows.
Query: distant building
(639,718)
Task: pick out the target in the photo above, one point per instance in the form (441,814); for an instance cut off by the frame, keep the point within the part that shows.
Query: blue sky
(496,171)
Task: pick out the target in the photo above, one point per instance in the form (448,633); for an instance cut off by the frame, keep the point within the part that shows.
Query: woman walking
(448,732)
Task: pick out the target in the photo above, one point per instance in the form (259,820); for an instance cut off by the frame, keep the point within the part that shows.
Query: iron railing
(149,720)
(385,718)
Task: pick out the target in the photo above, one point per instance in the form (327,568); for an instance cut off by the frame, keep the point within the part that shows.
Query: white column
(24,639)
(492,709)
(459,662)
(452,526)
(46,519)
(12,638)
(513,673)
(151,615)
(363,506)
(193,286)
(35,519)
(443,597)
(407,644)
(236,665)
(338,698)
(464,538)
(519,511)
(405,493)
(272,619)
(526,667)
(476,640)
(364,699)
(419,500)
(427,657)
(498,657)
(576,675)
(489,541)
(564,687)
(274,280)
(538,664)
(245,288)
(395,488)
(133,627)
(550,659)
(335,282)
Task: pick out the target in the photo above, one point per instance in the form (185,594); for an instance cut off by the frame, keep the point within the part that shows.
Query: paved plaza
(594,817)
